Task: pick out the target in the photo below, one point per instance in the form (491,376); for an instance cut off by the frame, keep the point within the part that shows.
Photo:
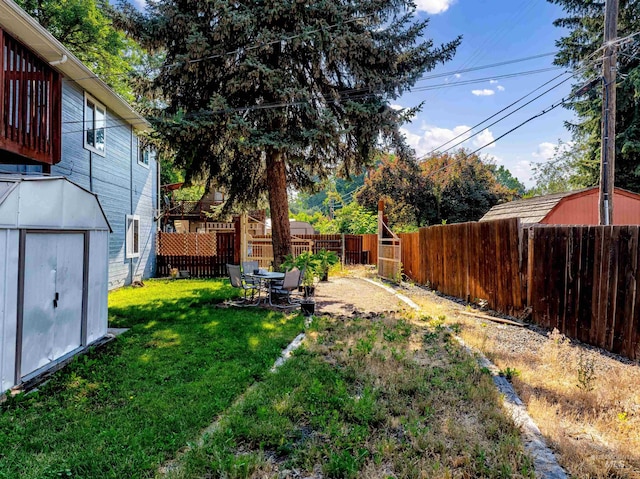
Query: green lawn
(121,411)
(378,398)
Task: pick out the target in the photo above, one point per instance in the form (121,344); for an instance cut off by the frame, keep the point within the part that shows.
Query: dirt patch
(347,296)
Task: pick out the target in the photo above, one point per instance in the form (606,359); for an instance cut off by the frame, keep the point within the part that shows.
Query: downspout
(130,191)
(90,171)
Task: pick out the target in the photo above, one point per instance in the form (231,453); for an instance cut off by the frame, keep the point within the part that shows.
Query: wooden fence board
(370,248)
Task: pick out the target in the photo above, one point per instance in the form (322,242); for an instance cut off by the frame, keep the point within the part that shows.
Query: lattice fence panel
(187,244)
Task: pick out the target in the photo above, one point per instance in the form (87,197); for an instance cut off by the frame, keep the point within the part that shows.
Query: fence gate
(389,249)
(260,247)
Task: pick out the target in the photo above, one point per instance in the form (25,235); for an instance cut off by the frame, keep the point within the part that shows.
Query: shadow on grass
(123,410)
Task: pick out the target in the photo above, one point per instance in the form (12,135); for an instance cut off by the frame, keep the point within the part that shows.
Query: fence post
(343,249)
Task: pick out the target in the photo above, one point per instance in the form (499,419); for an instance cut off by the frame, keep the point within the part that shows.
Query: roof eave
(26,29)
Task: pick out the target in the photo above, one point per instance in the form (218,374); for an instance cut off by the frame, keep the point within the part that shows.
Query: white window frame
(132,229)
(87,126)
(150,153)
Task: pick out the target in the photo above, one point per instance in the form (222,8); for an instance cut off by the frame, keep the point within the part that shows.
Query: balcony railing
(30,110)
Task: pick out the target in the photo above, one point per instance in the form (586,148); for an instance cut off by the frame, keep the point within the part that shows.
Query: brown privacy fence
(205,255)
(472,261)
(370,249)
(581,280)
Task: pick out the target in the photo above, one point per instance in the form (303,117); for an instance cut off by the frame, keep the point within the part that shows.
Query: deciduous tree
(84,27)
(465,186)
(409,196)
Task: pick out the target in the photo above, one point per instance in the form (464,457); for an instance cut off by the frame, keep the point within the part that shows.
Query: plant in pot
(326,259)
(308,264)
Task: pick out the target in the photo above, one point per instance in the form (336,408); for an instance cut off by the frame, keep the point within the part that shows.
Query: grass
(375,398)
(587,405)
(123,410)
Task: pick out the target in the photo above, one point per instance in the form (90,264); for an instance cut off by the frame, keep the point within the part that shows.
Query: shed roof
(48,203)
(20,25)
(530,210)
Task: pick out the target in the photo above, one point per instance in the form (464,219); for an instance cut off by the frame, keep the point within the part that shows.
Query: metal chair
(249,267)
(235,276)
(289,284)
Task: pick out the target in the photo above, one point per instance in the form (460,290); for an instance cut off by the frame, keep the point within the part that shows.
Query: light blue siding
(123,186)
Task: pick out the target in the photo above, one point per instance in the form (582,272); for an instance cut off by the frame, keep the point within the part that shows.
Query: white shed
(54,240)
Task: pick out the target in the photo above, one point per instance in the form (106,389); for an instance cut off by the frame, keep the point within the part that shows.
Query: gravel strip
(545,463)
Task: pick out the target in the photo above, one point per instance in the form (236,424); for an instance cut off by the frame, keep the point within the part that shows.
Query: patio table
(266,278)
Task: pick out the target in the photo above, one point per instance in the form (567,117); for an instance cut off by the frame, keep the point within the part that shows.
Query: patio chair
(249,267)
(289,284)
(237,282)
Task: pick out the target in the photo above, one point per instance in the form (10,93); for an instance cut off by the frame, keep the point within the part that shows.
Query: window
(133,236)
(95,122)
(145,155)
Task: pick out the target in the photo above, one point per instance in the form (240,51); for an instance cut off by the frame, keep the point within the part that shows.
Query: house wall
(124,187)
(582,209)
(9,247)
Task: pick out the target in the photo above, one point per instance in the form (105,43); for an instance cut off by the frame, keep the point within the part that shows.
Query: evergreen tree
(585,22)
(506,179)
(266,95)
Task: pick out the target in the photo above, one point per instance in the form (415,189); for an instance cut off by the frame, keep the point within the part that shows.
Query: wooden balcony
(30,110)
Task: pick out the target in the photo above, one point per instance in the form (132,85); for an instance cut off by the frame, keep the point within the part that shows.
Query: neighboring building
(300,228)
(570,208)
(58,118)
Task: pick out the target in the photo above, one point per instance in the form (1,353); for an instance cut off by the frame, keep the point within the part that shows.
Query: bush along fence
(581,280)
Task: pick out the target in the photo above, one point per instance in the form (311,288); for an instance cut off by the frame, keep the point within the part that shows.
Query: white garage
(54,239)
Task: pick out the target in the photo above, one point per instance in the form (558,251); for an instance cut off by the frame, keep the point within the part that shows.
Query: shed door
(53,284)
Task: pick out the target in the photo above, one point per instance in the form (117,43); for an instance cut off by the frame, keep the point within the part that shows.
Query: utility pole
(608,126)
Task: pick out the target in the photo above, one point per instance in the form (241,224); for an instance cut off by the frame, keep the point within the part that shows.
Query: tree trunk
(279,205)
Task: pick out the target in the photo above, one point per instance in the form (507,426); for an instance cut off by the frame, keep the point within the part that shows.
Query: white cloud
(434,137)
(483,138)
(457,75)
(547,150)
(395,106)
(496,160)
(485,92)
(493,82)
(434,6)
(522,170)
(500,88)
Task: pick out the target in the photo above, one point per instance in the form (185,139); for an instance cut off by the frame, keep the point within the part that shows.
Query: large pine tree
(585,22)
(265,95)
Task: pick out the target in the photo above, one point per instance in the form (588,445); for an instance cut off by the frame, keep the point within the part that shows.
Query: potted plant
(326,259)
(308,264)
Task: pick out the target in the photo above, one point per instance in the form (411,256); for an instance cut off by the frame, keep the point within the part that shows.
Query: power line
(501,118)
(348,96)
(543,112)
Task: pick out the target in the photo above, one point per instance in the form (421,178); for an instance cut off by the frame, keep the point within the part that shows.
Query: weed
(430,337)
(456,328)
(586,373)
(365,413)
(509,373)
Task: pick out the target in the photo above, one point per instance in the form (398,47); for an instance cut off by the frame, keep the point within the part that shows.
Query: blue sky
(493,31)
